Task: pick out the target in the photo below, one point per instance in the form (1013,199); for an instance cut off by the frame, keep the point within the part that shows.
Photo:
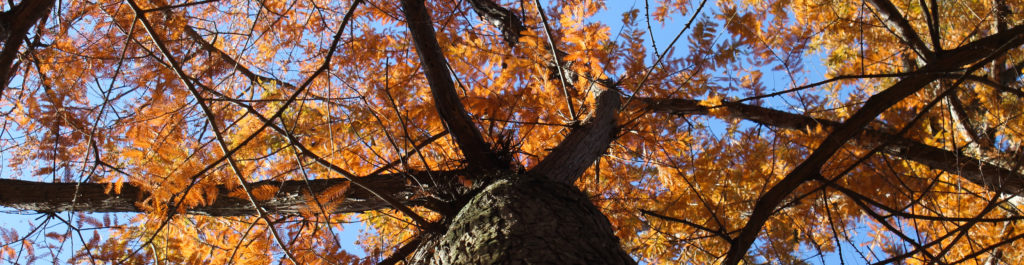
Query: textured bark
(290,199)
(584,144)
(525,219)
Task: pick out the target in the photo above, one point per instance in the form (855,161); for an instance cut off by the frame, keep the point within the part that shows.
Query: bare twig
(558,61)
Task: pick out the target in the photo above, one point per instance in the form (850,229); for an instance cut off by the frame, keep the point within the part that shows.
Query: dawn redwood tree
(501,132)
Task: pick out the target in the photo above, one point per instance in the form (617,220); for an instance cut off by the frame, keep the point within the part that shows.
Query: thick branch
(502,18)
(14,26)
(456,120)
(981,50)
(585,143)
(983,172)
(292,197)
(890,15)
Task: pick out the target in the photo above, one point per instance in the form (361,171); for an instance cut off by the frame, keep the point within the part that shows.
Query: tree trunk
(523,219)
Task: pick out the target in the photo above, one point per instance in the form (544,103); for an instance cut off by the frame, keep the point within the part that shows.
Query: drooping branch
(292,197)
(453,114)
(585,143)
(989,173)
(14,26)
(981,51)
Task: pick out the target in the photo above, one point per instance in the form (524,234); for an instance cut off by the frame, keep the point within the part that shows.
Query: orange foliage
(96,99)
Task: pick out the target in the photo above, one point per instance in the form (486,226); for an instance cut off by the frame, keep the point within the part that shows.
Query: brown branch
(456,120)
(211,118)
(402,252)
(585,143)
(504,19)
(993,258)
(303,150)
(182,5)
(14,26)
(890,15)
(210,48)
(982,50)
(292,197)
(718,233)
(984,173)
(1001,87)
(558,61)
(960,230)
(893,212)
(974,131)
(1010,74)
(409,153)
(1003,75)
(267,122)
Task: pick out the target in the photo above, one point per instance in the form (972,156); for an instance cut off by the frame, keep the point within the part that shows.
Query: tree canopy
(790,131)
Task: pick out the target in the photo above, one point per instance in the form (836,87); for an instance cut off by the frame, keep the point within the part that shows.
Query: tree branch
(890,15)
(988,173)
(982,50)
(585,143)
(974,131)
(213,50)
(504,19)
(14,26)
(1010,74)
(292,197)
(401,253)
(558,61)
(454,116)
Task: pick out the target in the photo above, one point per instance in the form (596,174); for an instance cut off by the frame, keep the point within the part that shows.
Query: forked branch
(977,52)
(890,15)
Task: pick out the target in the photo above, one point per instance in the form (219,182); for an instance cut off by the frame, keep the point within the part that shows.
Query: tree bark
(585,143)
(524,219)
(456,120)
(292,196)
(14,27)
